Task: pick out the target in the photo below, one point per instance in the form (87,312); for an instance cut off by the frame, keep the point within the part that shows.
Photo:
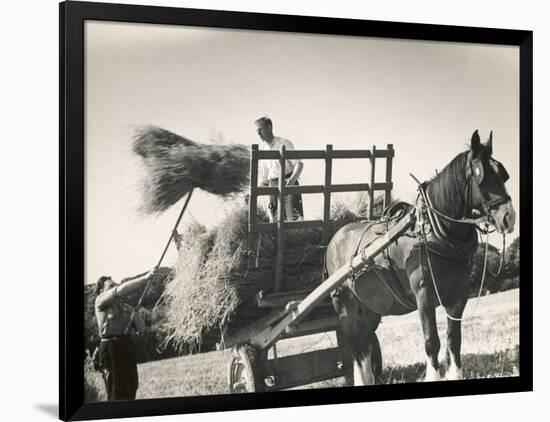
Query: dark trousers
(119,368)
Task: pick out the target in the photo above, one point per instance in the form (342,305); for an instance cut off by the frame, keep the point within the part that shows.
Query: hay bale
(175,165)
(212,291)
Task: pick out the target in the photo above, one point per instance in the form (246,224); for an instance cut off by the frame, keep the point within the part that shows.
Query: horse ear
(489,144)
(475,143)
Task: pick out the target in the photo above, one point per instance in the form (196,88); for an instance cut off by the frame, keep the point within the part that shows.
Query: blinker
(501,171)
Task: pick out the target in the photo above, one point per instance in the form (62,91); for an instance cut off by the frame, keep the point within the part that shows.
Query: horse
(427,267)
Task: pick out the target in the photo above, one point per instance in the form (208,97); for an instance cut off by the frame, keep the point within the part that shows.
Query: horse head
(486,177)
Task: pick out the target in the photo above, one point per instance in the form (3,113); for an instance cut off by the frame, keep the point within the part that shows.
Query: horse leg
(426,310)
(347,359)
(454,340)
(358,334)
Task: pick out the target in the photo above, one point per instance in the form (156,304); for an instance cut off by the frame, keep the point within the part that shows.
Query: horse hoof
(432,374)
(454,373)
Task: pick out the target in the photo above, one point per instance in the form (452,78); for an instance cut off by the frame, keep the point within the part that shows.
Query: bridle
(474,174)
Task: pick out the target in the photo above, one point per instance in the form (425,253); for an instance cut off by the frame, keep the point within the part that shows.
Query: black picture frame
(72,16)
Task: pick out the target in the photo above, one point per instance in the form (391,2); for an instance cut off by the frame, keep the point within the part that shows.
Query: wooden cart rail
(328,155)
(298,313)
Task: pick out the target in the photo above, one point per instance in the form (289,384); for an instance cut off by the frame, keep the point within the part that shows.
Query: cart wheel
(377,360)
(243,370)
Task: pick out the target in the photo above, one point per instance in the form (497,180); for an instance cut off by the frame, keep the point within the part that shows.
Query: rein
(426,204)
(435,285)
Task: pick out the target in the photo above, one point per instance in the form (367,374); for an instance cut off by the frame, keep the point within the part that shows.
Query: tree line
(506,279)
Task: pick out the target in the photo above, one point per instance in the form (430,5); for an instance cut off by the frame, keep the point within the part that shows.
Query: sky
(426,98)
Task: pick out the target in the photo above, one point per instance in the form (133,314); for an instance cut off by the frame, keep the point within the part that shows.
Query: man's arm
(298,166)
(125,289)
(297,163)
(122,291)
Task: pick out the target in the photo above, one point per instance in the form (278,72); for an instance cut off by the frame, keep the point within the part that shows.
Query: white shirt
(271,169)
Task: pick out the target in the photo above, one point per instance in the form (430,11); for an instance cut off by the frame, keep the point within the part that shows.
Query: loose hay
(213,290)
(175,165)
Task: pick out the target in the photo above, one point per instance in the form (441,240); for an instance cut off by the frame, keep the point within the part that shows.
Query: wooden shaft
(372,176)
(253,206)
(161,257)
(175,227)
(389,164)
(280,222)
(327,192)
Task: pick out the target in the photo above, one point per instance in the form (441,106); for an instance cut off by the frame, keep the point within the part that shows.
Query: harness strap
(394,288)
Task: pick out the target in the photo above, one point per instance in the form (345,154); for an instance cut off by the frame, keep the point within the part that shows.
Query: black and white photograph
(275,210)
(269,210)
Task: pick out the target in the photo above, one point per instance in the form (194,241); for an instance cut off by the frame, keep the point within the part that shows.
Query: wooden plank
(262,227)
(252,206)
(304,368)
(245,334)
(268,155)
(288,225)
(389,165)
(281,299)
(274,300)
(308,224)
(280,223)
(384,153)
(320,155)
(350,187)
(351,153)
(372,177)
(314,326)
(382,186)
(312,257)
(304,154)
(327,194)
(264,190)
(303,189)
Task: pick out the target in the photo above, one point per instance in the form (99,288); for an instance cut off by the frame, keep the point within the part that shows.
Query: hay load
(175,165)
(213,290)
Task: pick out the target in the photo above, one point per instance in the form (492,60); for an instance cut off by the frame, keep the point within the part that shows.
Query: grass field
(490,348)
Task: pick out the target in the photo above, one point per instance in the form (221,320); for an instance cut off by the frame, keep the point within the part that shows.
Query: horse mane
(446,189)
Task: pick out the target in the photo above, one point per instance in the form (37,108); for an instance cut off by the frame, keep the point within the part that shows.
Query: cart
(299,313)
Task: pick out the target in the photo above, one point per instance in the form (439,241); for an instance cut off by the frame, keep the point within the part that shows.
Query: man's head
(104,283)
(264,127)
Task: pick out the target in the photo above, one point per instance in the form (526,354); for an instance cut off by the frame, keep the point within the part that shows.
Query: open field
(490,348)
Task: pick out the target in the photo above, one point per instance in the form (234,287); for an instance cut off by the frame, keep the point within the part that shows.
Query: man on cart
(271,172)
